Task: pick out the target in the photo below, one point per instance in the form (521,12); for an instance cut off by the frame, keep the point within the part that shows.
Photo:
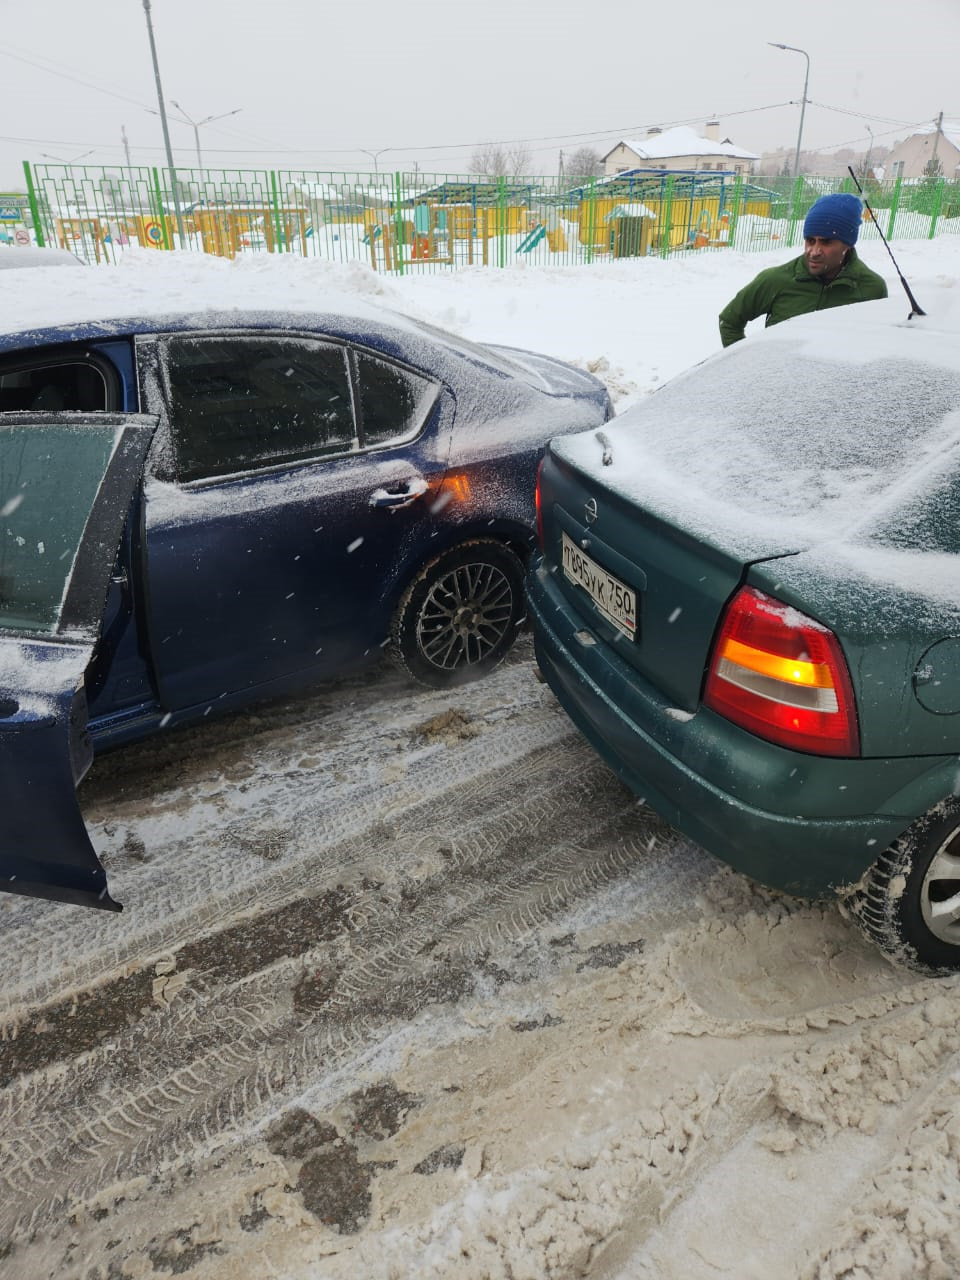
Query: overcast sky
(319,84)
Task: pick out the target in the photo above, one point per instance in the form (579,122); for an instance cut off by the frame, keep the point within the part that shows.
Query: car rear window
(49,479)
(764,438)
(393,401)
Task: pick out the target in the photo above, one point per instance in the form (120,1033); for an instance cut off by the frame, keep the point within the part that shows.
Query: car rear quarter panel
(884,633)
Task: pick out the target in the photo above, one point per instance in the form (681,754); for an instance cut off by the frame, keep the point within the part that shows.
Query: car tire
(460,615)
(909,901)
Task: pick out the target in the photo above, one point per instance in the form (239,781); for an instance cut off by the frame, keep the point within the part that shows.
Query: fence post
(795,200)
(398,220)
(502,221)
(894,205)
(277,219)
(590,219)
(935,212)
(737,208)
(666,214)
(161,212)
(34,204)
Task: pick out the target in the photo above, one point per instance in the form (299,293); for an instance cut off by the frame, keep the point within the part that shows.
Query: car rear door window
(394,402)
(245,403)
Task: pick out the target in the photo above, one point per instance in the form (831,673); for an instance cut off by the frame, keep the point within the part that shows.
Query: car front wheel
(460,615)
(909,901)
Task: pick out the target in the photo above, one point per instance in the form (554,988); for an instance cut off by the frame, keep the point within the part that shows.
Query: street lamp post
(866,163)
(803,101)
(197,124)
(163,122)
(60,160)
(373,155)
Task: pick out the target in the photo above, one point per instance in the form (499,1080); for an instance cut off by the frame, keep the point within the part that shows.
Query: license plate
(617,602)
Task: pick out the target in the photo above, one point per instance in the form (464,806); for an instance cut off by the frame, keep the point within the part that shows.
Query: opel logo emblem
(590,510)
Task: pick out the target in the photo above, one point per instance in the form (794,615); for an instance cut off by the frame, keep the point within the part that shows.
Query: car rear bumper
(802,823)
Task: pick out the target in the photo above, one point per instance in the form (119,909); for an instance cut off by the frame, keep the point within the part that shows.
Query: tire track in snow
(335,766)
(263,1005)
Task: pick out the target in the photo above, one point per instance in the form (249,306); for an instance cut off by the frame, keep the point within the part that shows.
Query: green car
(747,597)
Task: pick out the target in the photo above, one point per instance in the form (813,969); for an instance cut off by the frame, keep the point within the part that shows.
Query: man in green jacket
(827,274)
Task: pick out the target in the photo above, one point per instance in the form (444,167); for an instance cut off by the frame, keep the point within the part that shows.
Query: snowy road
(471,1011)
(407,985)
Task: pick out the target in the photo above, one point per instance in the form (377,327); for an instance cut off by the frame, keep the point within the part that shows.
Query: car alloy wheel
(460,615)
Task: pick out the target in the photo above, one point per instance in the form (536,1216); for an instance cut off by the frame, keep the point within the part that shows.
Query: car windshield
(49,478)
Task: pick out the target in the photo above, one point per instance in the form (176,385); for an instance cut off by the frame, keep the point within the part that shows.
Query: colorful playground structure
(397,222)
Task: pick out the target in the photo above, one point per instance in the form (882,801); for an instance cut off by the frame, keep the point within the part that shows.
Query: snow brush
(915,308)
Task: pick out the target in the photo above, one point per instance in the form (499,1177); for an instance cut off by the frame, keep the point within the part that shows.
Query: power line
(548,141)
(63,75)
(568,138)
(860,115)
(593,135)
(849,142)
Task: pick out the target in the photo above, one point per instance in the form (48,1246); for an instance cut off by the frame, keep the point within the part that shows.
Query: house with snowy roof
(909,158)
(680,148)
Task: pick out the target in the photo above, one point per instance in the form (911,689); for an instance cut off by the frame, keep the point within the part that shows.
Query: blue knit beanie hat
(836,217)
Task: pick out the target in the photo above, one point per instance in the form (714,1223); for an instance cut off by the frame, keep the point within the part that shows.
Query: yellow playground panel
(224,231)
(687,222)
(119,229)
(228,229)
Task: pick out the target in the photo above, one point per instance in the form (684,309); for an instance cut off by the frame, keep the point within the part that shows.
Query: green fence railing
(404,222)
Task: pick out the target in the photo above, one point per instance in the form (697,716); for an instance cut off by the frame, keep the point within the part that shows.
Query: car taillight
(536,502)
(783,676)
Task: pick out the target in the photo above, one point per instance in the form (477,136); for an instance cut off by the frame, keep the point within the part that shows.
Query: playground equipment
(700,236)
(550,230)
(631,229)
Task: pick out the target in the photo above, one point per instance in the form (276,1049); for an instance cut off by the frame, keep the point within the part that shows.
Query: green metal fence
(403,222)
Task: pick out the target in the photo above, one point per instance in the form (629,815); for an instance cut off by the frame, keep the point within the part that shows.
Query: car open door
(67,482)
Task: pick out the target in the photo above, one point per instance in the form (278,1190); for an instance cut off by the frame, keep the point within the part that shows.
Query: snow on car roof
(795,435)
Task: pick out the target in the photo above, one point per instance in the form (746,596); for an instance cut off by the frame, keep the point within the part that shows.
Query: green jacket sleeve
(752,301)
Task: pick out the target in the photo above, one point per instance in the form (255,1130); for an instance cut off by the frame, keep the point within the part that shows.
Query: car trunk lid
(751,457)
(675,583)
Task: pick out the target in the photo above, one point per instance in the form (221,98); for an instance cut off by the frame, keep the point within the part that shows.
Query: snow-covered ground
(636,321)
(568,1043)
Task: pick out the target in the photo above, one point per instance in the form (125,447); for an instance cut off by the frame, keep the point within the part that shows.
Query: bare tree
(584,163)
(495,161)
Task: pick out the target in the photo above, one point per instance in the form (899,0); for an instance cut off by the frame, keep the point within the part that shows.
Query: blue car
(202,510)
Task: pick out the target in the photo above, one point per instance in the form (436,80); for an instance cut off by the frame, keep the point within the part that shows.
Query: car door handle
(395,498)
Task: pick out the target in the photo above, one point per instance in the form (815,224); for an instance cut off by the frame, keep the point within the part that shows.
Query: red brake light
(536,502)
(783,676)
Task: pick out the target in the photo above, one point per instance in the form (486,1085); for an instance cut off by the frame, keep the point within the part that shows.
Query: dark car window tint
(393,401)
(242,403)
(49,477)
(50,388)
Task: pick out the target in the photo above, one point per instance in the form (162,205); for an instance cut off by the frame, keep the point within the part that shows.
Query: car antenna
(915,308)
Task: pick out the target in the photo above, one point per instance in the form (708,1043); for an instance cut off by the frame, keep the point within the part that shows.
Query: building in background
(929,152)
(680,148)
